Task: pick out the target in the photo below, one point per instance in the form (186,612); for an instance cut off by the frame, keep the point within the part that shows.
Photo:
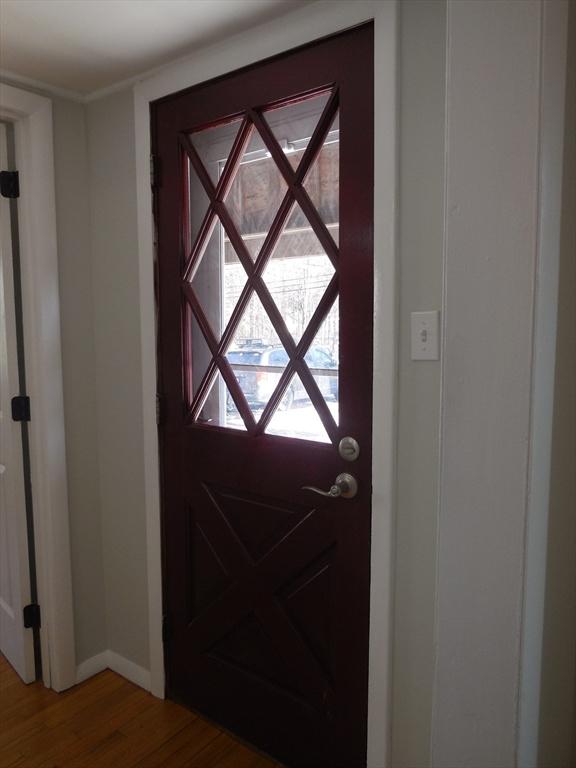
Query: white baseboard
(129,670)
(91,667)
(119,664)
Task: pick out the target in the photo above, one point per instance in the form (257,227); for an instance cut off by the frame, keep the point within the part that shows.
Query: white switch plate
(425,335)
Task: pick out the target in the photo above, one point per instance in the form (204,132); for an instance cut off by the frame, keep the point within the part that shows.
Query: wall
(553,24)
(422,108)
(504,68)
(558,699)
(489,271)
(112,175)
(79,373)
(98,279)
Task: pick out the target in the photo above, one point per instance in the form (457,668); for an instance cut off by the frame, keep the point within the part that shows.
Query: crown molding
(13,78)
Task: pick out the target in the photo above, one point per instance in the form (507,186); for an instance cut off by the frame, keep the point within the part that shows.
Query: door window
(261,231)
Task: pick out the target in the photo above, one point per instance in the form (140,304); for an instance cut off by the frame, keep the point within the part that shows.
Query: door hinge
(165,630)
(32,616)
(21,408)
(9,184)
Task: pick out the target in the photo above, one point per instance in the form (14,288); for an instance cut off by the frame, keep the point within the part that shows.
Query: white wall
(492,179)
(499,301)
(112,175)
(79,372)
(421,168)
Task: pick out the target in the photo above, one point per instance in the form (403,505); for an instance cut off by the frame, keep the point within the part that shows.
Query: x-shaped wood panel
(304,543)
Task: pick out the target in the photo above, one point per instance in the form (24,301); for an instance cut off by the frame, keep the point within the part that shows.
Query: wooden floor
(110,723)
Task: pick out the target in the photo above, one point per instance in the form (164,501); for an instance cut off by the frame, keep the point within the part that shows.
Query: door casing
(16,643)
(298,28)
(32,118)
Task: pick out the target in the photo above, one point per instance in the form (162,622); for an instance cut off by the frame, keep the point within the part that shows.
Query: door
(16,642)
(264,206)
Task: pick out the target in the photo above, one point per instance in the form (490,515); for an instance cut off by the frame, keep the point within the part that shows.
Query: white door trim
(16,642)
(32,118)
(298,28)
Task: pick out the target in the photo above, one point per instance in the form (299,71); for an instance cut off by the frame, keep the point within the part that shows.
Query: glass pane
(256,356)
(296,416)
(255,194)
(218,280)
(200,354)
(322,360)
(198,202)
(213,145)
(294,124)
(298,273)
(323,180)
(255,328)
(219,409)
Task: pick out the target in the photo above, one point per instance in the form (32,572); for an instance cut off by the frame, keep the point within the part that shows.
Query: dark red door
(264,206)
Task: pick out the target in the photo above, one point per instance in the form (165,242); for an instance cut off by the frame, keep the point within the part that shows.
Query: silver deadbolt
(349,449)
(345,486)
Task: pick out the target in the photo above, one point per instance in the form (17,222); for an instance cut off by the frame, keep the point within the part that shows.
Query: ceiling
(87,45)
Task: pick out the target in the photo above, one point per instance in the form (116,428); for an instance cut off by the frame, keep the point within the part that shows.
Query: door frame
(32,118)
(295,29)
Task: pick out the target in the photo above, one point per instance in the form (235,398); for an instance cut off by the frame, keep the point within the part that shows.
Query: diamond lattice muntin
(260,274)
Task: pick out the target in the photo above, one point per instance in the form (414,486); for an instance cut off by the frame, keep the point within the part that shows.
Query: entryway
(264,208)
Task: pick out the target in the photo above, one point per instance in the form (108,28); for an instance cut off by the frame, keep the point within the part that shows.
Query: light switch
(424,335)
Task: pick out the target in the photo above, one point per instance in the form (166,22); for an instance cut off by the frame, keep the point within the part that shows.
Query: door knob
(345,485)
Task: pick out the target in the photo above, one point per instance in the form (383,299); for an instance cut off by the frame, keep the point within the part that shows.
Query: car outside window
(278,357)
(245,358)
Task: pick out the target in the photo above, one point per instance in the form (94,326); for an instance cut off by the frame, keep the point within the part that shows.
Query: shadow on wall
(558,697)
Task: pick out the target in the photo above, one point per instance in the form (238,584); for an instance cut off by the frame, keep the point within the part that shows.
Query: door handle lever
(345,485)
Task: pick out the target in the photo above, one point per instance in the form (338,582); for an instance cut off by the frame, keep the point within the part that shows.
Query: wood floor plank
(60,715)
(107,722)
(226,752)
(145,734)
(41,706)
(71,744)
(183,747)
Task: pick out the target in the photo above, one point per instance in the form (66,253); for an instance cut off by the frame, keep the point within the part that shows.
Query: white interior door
(16,642)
